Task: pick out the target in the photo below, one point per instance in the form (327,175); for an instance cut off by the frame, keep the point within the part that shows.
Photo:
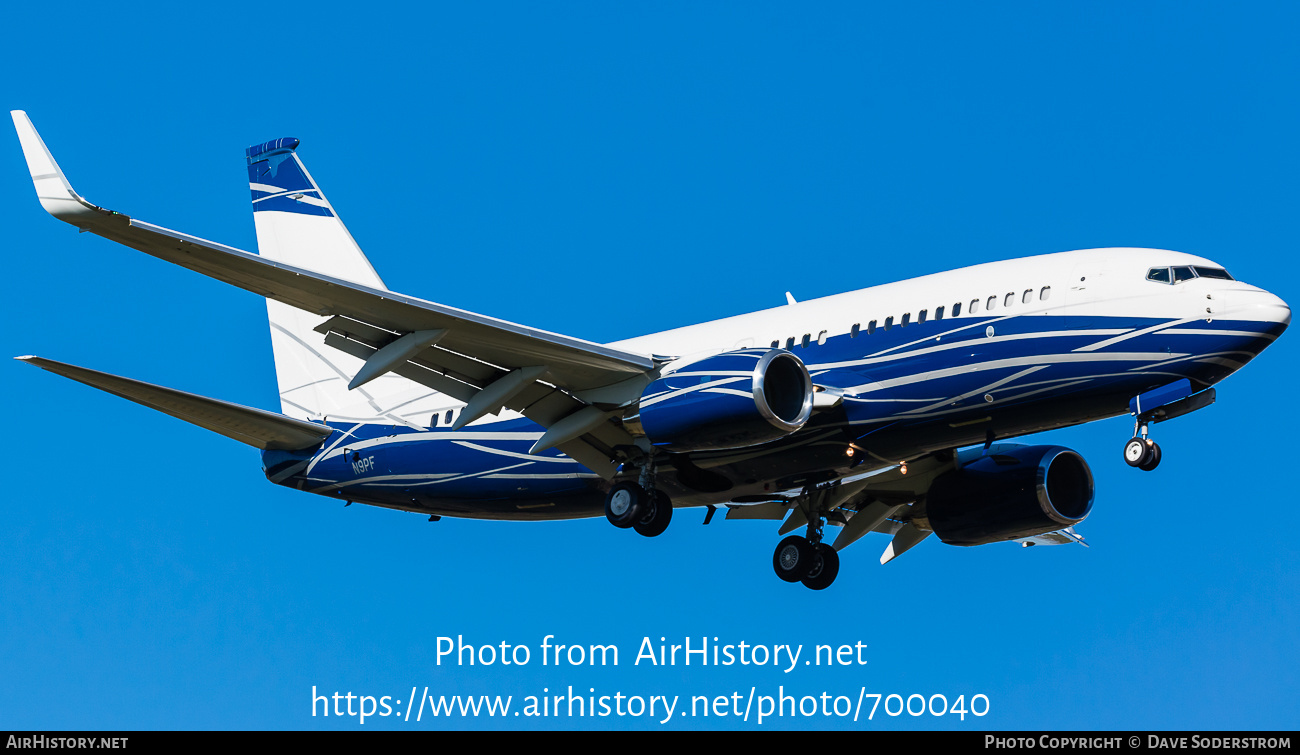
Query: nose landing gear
(1141,451)
(1158,405)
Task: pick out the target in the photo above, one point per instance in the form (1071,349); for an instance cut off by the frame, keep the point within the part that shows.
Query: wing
(567,385)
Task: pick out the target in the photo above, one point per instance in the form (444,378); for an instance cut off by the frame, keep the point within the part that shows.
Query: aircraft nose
(1261,305)
(1278,309)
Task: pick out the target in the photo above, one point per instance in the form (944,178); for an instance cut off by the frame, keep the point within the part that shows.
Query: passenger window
(1010,299)
(789,343)
(1028,297)
(991,303)
(821,338)
(1183,274)
(853,332)
(1044,293)
(447,419)
(956,310)
(889,322)
(434,422)
(871,327)
(1158,274)
(920,317)
(938,313)
(907,317)
(776,344)
(803,342)
(1213,272)
(974,306)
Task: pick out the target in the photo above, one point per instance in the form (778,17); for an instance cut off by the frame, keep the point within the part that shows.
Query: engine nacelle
(1009,494)
(732,400)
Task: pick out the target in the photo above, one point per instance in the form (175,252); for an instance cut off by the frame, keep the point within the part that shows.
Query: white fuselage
(1108,282)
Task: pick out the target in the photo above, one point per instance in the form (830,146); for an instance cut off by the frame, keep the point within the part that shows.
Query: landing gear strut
(807,559)
(639,505)
(1141,451)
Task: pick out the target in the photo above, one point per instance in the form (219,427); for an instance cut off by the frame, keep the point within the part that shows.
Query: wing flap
(255,427)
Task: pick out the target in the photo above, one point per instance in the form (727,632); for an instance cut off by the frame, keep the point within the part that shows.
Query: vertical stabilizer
(297,225)
(295,222)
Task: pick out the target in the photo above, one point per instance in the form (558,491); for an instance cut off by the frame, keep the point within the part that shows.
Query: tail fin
(297,225)
(295,222)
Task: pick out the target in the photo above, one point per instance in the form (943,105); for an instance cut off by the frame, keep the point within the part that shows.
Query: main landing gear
(1141,451)
(639,505)
(807,559)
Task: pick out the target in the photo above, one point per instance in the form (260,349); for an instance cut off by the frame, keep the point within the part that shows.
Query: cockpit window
(1213,272)
(1186,273)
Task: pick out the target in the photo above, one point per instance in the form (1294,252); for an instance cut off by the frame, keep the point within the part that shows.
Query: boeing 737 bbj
(878,410)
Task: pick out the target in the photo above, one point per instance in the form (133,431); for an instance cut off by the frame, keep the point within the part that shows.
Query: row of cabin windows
(973,307)
(446,417)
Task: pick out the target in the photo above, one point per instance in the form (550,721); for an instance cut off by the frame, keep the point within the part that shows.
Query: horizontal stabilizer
(258,428)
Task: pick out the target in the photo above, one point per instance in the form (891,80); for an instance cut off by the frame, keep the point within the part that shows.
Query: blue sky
(607,170)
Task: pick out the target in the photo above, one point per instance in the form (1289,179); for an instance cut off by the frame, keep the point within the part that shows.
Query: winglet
(52,187)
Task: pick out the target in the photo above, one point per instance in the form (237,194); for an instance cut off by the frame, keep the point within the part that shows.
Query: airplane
(882,410)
